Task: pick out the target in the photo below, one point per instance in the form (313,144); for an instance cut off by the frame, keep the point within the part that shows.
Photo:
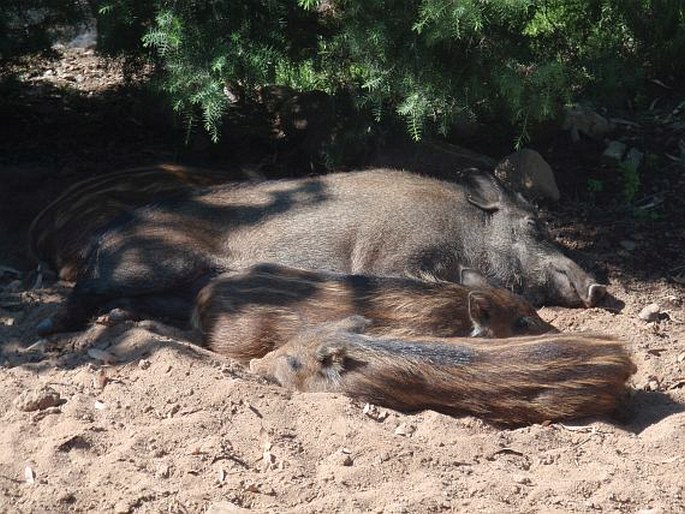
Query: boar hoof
(595,293)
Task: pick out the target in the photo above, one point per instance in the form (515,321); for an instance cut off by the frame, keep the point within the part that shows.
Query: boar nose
(595,293)
(254,365)
(574,286)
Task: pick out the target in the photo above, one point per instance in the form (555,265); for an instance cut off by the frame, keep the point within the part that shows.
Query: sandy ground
(136,418)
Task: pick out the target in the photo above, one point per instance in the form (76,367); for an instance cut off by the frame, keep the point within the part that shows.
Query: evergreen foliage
(429,63)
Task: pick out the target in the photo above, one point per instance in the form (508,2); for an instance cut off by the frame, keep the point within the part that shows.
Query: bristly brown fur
(244,315)
(62,231)
(519,381)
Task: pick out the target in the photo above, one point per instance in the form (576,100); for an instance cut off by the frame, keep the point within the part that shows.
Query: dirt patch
(137,418)
(149,422)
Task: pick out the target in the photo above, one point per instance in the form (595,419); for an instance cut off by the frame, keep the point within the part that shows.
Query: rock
(115,316)
(405,429)
(614,152)
(163,471)
(373,412)
(345,457)
(29,475)
(581,120)
(652,385)
(527,172)
(522,479)
(650,313)
(38,399)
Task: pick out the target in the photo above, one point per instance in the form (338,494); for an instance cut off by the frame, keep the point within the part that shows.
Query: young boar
(514,382)
(59,235)
(247,314)
(376,222)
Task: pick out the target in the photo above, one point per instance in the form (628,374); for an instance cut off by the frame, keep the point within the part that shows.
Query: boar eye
(535,227)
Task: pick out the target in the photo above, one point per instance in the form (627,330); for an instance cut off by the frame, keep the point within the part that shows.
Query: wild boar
(511,382)
(375,222)
(247,314)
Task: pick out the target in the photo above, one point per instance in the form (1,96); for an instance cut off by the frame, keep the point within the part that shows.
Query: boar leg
(73,314)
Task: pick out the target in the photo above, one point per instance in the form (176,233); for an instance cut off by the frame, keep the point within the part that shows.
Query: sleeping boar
(375,222)
(247,314)
(510,382)
(60,234)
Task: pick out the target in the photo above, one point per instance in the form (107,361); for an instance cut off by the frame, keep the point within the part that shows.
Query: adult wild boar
(374,222)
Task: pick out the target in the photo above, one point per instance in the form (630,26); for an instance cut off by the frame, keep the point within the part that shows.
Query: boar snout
(574,287)
(595,293)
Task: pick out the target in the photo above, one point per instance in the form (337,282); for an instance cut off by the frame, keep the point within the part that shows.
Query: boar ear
(483,190)
(479,308)
(472,278)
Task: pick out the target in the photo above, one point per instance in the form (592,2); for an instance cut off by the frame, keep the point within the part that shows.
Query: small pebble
(118,315)
(523,480)
(38,399)
(650,313)
(29,475)
(405,430)
(163,471)
(652,385)
(614,151)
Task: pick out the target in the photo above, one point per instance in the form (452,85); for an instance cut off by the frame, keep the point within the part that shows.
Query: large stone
(40,398)
(581,120)
(527,172)
(614,152)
